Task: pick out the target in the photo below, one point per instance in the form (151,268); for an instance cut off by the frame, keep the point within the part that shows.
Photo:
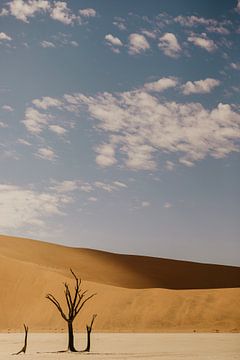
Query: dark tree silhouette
(24,348)
(75,300)
(89,330)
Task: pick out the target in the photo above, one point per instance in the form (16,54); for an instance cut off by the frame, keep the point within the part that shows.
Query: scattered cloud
(235,66)
(5,37)
(47,102)
(161,84)
(62,13)
(140,125)
(145,204)
(24,142)
(88,12)
(137,44)
(238,6)
(203,42)
(120,23)
(115,41)
(7,108)
(168,205)
(169,165)
(35,121)
(92,199)
(22,207)
(200,86)
(211,25)
(46,153)
(168,43)
(47,44)
(22,10)
(59,130)
(106,155)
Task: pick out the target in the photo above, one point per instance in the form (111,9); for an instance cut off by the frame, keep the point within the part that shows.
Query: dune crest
(135,293)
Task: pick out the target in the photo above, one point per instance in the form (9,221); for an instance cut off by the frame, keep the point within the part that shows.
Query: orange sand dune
(134,293)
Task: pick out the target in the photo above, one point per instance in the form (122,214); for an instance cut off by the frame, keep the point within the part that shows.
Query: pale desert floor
(128,346)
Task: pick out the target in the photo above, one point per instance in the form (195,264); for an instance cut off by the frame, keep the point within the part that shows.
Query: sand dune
(134,293)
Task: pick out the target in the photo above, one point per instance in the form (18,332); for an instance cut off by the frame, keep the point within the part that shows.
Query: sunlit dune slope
(121,270)
(133,293)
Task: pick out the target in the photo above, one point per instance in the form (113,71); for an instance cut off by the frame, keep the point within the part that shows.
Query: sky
(120,125)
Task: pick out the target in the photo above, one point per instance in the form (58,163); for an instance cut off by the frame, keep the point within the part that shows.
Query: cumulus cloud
(5,37)
(22,10)
(35,121)
(145,204)
(7,108)
(47,102)
(115,41)
(140,125)
(161,84)
(168,205)
(168,43)
(106,155)
(62,13)
(23,207)
(57,10)
(46,153)
(203,42)
(200,86)
(59,130)
(88,12)
(235,66)
(47,44)
(238,6)
(137,44)
(212,25)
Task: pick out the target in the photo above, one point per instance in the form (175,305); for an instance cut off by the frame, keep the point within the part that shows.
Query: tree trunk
(71,337)
(88,340)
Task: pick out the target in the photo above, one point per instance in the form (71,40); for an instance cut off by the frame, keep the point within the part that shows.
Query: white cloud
(35,121)
(212,25)
(137,44)
(3,125)
(235,66)
(161,84)
(140,125)
(4,12)
(149,34)
(168,205)
(120,184)
(92,199)
(120,23)
(22,10)
(59,130)
(169,165)
(7,108)
(47,44)
(106,155)
(89,12)
(168,43)
(115,41)
(23,207)
(5,37)
(145,204)
(200,86)
(238,6)
(62,13)
(24,142)
(203,42)
(65,186)
(46,153)
(46,102)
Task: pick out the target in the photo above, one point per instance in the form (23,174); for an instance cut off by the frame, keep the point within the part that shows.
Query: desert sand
(128,346)
(134,293)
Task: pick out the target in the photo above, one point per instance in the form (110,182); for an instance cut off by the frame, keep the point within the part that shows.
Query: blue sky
(120,125)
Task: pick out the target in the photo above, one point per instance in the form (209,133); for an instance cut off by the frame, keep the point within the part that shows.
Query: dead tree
(89,330)
(75,300)
(24,348)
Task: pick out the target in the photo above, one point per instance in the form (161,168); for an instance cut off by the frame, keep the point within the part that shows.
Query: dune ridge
(134,293)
